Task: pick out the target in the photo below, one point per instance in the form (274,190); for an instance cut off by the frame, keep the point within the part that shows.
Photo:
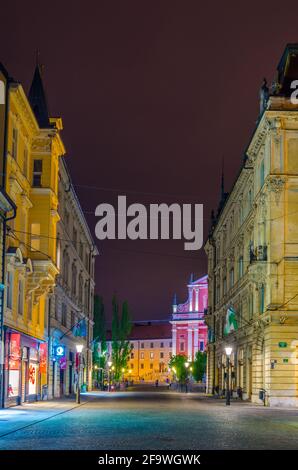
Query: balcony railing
(258,254)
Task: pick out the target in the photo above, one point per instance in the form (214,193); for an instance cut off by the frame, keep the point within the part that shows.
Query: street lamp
(186,365)
(228,350)
(79,348)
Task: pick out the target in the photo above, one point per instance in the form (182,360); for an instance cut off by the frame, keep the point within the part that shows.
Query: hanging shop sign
(63,362)
(59,351)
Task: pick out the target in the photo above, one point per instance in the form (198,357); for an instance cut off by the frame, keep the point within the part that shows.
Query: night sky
(153,96)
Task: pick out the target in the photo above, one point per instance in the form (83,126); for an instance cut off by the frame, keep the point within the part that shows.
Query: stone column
(189,344)
(174,335)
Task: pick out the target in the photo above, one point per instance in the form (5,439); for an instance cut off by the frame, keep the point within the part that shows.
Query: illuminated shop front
(25,368)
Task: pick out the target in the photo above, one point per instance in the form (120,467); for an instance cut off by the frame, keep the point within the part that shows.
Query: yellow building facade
(34,147)
(252,253)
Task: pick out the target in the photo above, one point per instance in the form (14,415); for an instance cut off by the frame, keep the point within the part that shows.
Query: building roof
(149,330)
(37,99)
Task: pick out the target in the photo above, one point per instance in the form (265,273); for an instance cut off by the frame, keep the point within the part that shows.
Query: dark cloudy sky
(153,95)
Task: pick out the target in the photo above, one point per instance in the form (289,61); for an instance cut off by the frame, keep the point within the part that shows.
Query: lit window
(151,355)
(142,355)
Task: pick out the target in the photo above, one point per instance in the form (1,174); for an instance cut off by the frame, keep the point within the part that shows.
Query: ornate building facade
(189,331)
(71,305)
(252,253)
(34,148)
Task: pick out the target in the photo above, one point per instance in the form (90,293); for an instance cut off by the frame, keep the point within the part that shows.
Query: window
(132,355)
(151,355)
(66,218)
(202,346)
(65,266)
(81,250)
(262,299)
(224,285)
(250,305)
(14,150)
(182,346)
(170,344)
(131,365)
(142,345)
(73,319)
(240,266)
(142,366)
(151,366)
(37,172)
(9,289)
(262,173)
(21,297)
(25,162)
(30,307)
(231,277)
(142,355)
(151,345)
(250,198)
(161,345)
(35,237)
(74,237)
(48,312)
(80,288)
(74,279)
(58,254)
(161,355)
(64,314)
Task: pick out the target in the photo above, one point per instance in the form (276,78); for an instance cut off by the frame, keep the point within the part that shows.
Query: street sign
(282,344)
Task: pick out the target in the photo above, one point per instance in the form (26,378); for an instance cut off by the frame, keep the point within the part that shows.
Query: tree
(199,366)
(121,328)
(177,364)
(99,335)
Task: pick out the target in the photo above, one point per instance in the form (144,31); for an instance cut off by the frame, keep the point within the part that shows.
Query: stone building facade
(252,253)
(70,308)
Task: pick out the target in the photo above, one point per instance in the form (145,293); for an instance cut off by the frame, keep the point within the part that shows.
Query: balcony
(258,254)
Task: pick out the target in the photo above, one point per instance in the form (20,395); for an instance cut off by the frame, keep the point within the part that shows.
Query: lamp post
(79,351)
(228,350)
(109,371)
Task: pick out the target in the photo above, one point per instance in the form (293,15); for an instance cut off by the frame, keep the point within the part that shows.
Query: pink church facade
(189,331)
